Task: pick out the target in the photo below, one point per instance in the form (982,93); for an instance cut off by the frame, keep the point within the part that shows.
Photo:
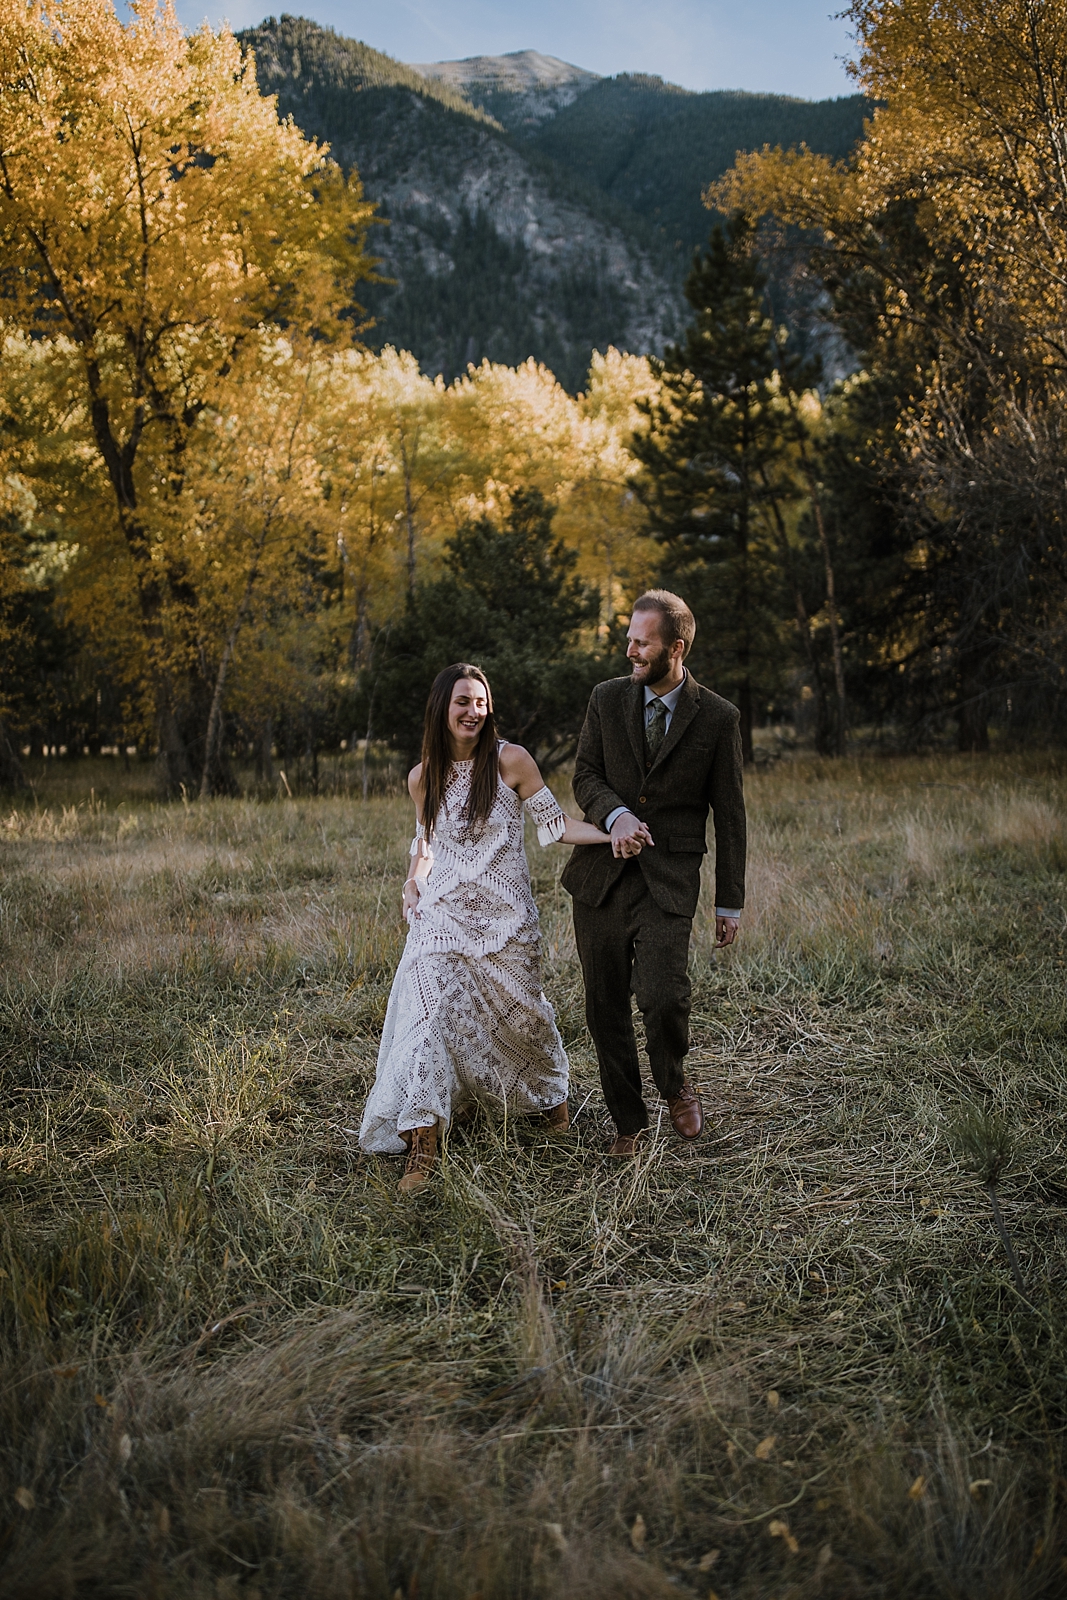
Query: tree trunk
(214,721)
(841,731)
(175,775)
(265,769)
(12,776)
(744,704)
(803,621)
(972,731)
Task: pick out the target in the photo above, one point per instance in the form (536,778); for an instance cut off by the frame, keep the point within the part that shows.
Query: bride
(467,1017)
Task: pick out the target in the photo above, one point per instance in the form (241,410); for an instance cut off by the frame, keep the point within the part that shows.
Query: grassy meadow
(791,1360)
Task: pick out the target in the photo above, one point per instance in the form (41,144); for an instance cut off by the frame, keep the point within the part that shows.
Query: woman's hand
(411,900)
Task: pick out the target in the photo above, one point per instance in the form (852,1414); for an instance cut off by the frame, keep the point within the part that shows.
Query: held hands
(629,836)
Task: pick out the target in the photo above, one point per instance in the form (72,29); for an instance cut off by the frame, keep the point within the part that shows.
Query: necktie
(655,728)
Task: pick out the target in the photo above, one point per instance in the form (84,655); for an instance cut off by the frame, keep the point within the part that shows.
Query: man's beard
(658,667)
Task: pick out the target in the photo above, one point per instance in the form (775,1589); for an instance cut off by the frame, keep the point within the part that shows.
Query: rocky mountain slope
(521,90)
(533,207)
(494,252)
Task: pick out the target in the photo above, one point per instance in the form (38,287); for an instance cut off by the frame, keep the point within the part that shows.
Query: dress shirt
(669,701)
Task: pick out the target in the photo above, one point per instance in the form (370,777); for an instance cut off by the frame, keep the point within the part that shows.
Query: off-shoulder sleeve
(543,809)
(421,839)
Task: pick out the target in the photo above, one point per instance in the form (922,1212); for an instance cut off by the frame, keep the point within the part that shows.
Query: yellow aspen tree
(154,208)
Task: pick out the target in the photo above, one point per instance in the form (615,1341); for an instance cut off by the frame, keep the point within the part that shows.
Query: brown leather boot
(687,1117)
(422,1153)
(559,1118)
(628,1144)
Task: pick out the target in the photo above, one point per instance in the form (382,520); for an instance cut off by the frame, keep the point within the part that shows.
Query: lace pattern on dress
(467,1016)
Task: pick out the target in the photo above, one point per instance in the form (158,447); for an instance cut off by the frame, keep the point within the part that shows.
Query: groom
(656,751)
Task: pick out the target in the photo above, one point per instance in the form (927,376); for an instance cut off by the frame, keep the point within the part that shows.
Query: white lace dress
(467,1017)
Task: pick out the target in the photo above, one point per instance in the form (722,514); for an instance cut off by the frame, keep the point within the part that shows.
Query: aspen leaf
(25,1498)
(765,1446)
(639,1533)
(918,1488)
(773,1399)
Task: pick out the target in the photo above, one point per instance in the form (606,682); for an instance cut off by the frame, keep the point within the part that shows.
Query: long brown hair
(437,752)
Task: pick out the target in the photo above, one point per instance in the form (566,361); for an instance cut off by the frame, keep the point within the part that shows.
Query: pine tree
(509,601)
(713,456)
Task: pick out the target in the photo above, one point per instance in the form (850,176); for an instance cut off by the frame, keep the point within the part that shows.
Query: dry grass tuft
(793,1360)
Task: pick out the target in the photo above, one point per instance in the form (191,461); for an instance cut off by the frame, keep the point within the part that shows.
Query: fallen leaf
(712,1595)
(706,1563)
(556,1534)
(638,1533)
(125,1449)
(65,1372)
(561,1283)
(836,1316)
(105,1405)
(773,1399)
(825,1556)
(780,1530)
(980,1483)
(765,1446)
(25,1498)
(918,1488)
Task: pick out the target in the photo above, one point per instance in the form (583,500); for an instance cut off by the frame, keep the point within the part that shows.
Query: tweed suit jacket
(697,767)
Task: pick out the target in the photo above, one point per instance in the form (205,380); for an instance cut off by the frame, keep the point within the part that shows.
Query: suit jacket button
(641,800)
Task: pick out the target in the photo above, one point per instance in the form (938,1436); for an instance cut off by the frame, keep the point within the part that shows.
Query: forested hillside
(492,254)
(534,209)
(655,147)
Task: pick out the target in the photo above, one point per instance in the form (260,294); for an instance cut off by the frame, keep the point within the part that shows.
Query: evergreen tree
(713,455)
(510,602)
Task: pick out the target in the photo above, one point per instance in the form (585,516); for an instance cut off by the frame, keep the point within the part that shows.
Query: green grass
(789,1361)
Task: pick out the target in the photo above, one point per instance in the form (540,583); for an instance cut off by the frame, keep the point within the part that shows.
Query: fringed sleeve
(544,809)
(420,845)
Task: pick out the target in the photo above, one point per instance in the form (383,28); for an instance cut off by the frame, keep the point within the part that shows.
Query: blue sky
(782,46)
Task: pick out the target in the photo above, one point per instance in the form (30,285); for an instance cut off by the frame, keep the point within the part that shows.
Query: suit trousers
(628,946)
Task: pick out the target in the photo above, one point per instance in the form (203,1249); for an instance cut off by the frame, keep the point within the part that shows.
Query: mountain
(650,145)
(534,208)
(521,90)
(494,252)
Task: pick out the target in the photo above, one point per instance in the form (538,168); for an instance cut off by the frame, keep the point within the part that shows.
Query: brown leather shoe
(627,1145)
(559,1118)
(687,1117)
(422,1153)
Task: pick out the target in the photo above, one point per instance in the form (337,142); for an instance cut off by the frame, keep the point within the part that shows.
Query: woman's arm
(520,772)
(421,861)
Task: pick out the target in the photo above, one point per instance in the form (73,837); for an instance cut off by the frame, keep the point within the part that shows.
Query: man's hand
(629,836)
(725,930)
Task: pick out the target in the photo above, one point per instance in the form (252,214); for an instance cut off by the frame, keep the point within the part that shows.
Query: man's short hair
(676,621)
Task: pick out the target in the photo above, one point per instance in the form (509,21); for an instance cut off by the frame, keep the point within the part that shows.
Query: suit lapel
(684,712)
(635,722)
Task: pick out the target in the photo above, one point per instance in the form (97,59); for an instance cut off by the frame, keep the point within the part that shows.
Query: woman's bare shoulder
(517,765)
(415,781)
